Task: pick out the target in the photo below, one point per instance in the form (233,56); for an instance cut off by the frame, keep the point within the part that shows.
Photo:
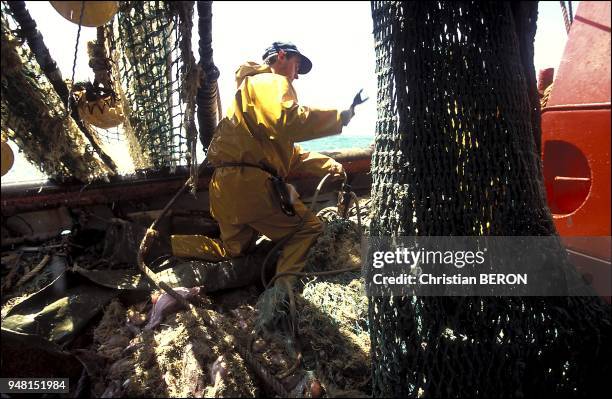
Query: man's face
(287,66)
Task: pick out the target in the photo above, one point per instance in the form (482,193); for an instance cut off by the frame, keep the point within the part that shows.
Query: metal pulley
(95,13)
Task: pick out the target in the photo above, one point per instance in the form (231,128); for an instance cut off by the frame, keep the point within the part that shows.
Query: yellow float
(96,13)
(7,158)
(103,111)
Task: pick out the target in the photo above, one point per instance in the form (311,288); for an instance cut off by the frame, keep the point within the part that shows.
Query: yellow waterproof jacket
(261,126)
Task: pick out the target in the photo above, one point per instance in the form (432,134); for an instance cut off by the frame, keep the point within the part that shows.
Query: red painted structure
(576,144)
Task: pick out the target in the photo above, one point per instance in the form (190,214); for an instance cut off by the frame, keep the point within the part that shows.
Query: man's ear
(281,55)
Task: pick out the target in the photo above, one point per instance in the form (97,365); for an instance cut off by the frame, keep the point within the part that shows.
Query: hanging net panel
(456,154)
(158,77)
(143,61)
(34,115)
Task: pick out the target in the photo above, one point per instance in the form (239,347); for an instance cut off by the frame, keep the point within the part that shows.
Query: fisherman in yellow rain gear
(253,150)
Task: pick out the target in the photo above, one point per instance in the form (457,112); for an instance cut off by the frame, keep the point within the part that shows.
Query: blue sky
(336,36)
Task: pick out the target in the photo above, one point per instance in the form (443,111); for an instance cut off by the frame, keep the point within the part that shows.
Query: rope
(356,199)
(566,20)
(99,61)
(76,51)
(219,106)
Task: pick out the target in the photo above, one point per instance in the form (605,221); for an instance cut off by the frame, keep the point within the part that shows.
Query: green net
(151,69)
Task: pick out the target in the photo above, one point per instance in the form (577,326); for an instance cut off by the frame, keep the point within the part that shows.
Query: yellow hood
(250,69)
(264,121)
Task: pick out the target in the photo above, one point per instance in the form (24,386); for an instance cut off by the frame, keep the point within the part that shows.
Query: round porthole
(567,177)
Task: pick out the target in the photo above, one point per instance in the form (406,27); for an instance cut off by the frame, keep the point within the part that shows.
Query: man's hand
(336,170)
(347,115)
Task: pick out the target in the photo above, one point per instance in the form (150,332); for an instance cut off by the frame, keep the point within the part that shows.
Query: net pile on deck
(457,154)
(180,356)
(333,313)
(179,359)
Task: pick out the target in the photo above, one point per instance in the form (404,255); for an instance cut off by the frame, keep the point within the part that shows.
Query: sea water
(337,142)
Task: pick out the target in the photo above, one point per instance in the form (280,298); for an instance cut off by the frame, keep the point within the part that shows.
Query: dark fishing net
(457,142)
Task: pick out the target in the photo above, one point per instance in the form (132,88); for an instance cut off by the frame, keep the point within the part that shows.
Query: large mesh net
(457,154)
(151,68)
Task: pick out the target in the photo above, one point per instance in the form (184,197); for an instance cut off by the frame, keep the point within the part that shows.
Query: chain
(76,51)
